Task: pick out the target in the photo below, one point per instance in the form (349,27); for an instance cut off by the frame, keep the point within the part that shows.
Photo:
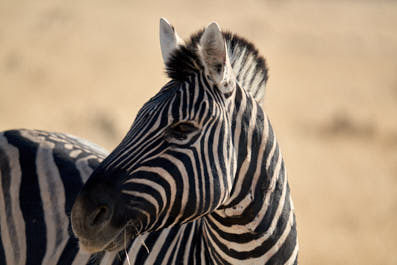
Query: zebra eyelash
(180,131)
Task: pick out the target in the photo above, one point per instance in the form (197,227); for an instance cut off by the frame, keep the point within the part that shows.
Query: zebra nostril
(99,216)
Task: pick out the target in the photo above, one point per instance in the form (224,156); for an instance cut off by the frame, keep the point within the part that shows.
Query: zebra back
(41,174)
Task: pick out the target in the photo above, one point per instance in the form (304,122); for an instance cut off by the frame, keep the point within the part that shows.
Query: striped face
(174,165)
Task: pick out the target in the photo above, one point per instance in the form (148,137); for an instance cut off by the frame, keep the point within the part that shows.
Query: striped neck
(257,223)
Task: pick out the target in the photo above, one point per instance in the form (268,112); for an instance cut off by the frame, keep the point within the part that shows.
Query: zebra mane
(248,65)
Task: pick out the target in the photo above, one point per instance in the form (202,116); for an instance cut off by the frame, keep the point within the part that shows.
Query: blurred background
(86,67)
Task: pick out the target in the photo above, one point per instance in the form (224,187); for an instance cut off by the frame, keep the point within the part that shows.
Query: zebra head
(178,161)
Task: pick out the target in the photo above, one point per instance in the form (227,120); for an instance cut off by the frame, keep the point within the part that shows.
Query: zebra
(41,174)
(199,177)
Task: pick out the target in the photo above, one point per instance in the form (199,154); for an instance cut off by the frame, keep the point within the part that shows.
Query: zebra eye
(181,130)
(185,127)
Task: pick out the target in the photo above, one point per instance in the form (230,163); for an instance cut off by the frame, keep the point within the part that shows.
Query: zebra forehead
(168,92)
(165,95)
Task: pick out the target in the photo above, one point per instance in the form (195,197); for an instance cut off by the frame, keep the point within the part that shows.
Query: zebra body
(199,178)
(41,174)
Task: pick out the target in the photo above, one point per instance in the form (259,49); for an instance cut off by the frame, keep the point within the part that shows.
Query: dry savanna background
(86,67)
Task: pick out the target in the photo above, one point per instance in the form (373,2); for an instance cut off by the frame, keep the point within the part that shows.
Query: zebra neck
(258,218)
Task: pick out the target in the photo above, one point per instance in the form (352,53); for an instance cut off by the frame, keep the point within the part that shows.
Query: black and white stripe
(41,174)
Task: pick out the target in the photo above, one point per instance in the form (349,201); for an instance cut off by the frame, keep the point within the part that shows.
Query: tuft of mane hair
(248,65)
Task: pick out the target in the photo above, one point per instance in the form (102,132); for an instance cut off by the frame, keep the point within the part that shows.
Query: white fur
(214,55)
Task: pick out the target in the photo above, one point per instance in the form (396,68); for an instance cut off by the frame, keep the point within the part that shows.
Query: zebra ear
(169,39)
(214,55)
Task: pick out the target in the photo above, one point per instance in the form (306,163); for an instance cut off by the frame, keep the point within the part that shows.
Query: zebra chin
(119,242)
(108,237)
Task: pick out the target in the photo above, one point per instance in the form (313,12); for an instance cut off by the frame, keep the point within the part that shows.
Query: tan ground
(86,67)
